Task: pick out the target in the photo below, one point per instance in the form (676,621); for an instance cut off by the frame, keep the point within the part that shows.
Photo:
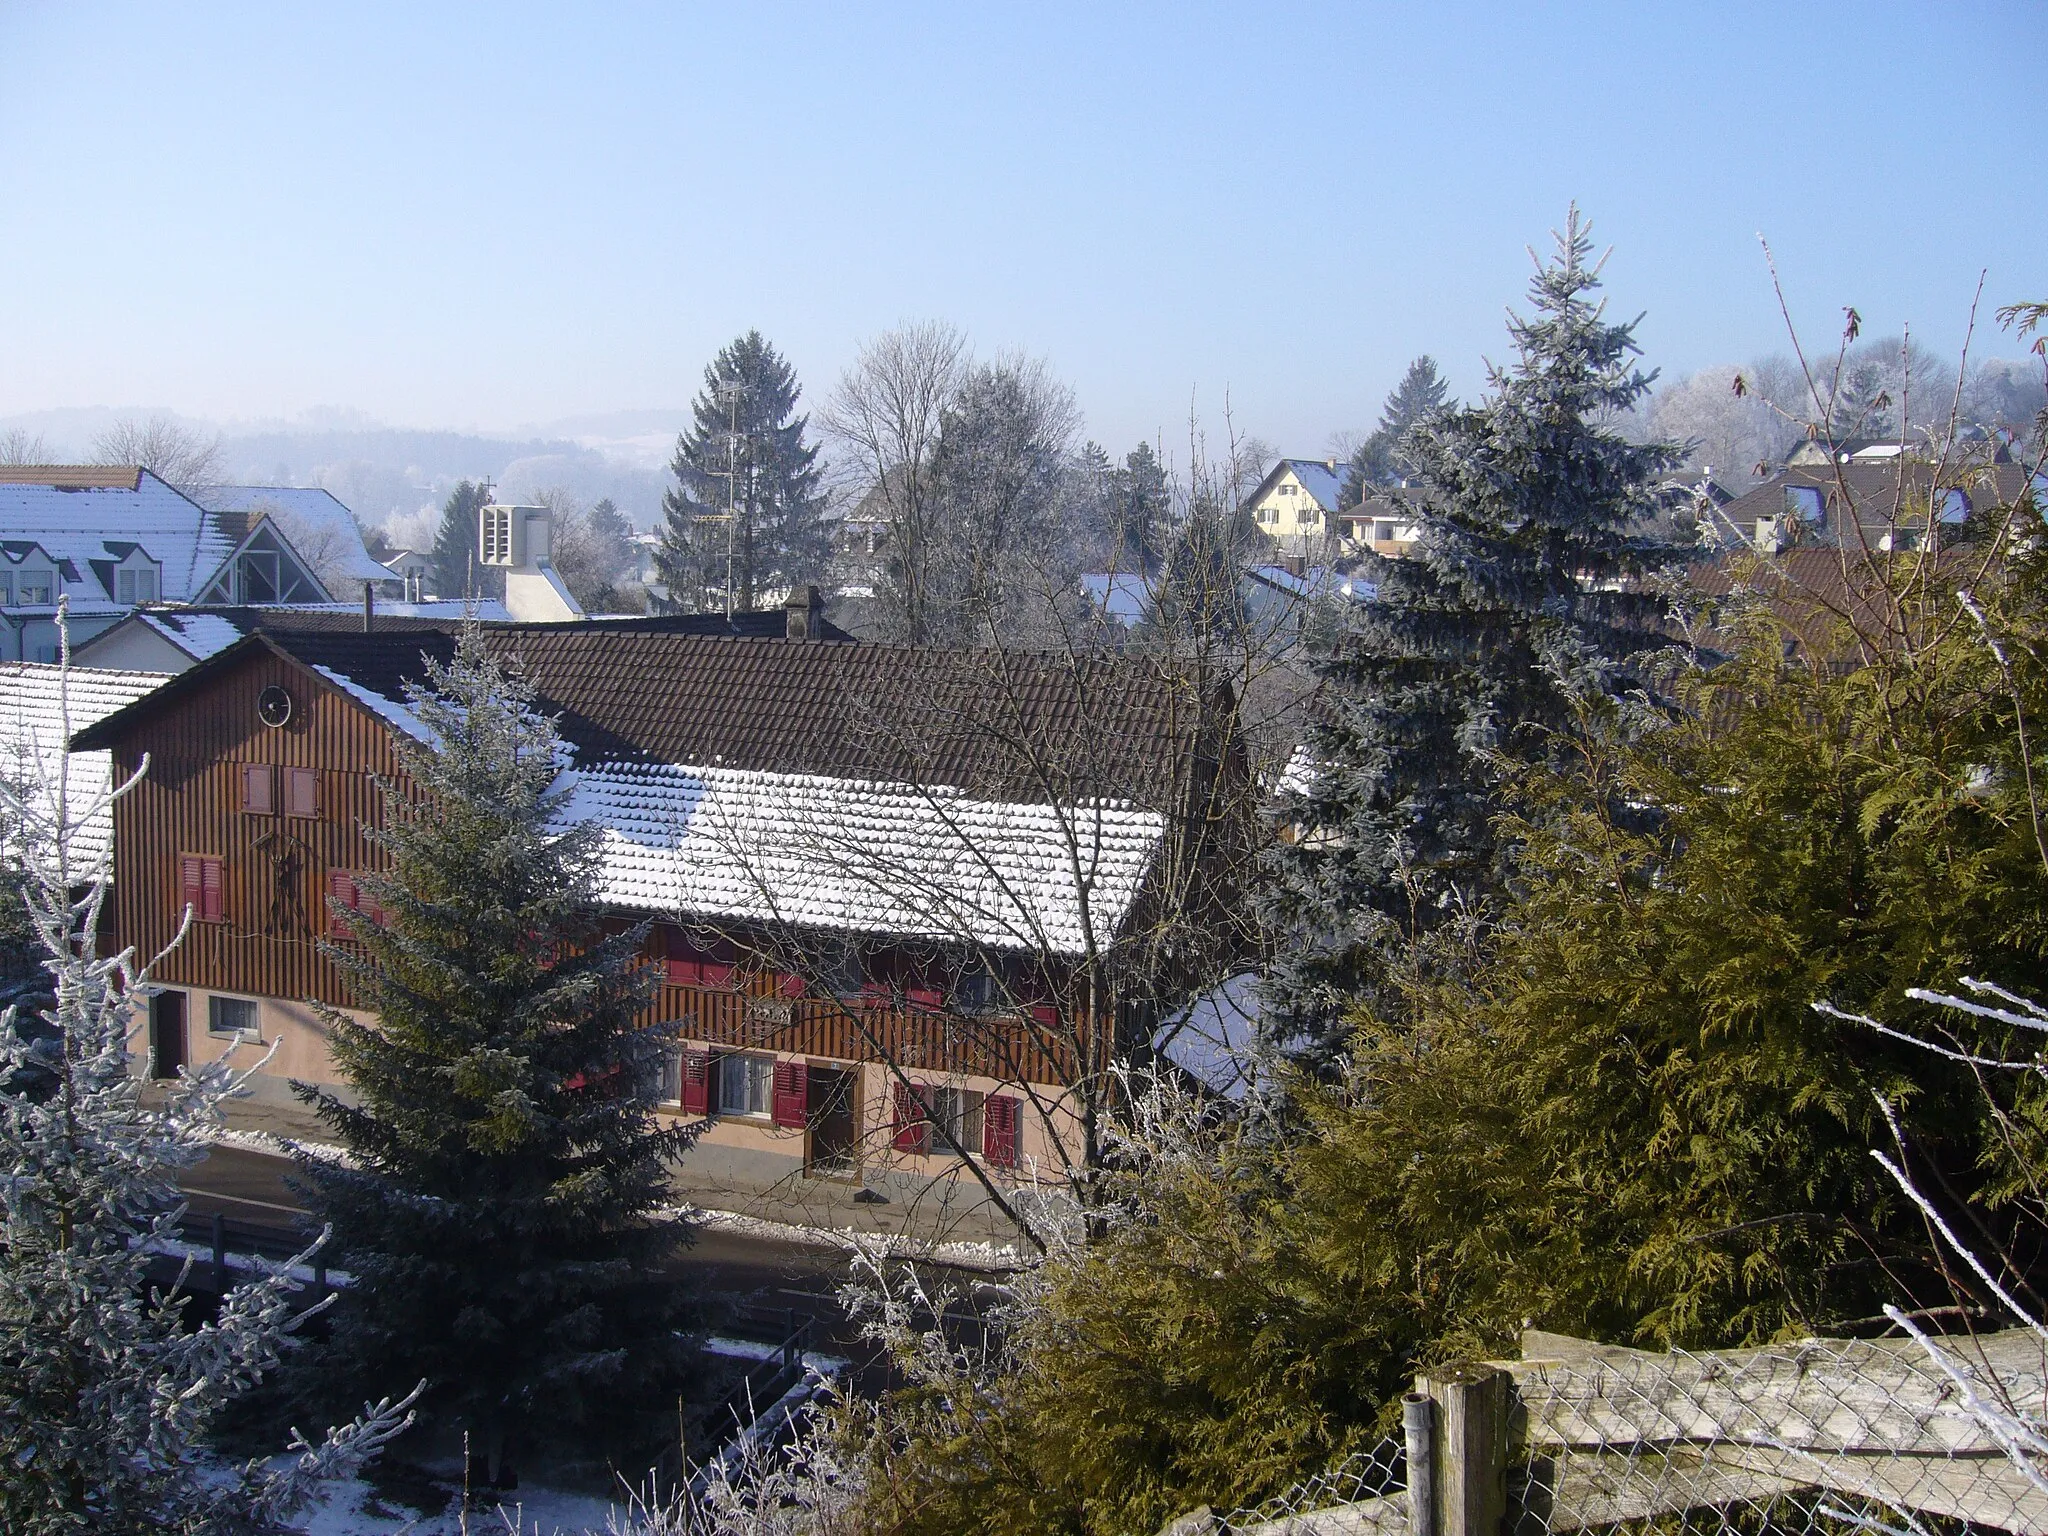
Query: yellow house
(1296,504)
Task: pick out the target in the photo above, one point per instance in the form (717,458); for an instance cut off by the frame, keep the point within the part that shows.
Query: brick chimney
(804,614)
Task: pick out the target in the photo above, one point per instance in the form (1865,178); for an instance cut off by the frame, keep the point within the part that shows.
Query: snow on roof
(391,711)
(319,527)
(1212,1039)
(34,702)
(79,524)
(1123,596)
(859,856)
(1322,482)
(198,635)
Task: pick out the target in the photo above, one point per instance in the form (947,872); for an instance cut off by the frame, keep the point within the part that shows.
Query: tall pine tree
(744,448)
(1380,460)
(500,1206)
(1523,602)
(456,573)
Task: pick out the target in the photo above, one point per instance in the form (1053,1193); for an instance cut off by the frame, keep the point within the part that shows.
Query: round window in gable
(274,706)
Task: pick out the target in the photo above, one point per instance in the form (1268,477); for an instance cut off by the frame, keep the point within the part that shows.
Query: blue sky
(449,215)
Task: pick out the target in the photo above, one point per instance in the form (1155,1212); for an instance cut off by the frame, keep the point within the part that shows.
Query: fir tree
(501,1210)
(105,1394)
(1524,597)
(1141,510)
(779,536)
(1380,460)
(456,573)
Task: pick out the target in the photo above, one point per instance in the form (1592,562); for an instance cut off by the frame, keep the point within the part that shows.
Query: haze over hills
(383,472)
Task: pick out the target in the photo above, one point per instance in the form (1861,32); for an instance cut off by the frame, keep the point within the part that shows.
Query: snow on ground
(351,1507)
(958,1255)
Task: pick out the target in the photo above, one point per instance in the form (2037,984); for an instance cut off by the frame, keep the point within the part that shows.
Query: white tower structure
(518,541)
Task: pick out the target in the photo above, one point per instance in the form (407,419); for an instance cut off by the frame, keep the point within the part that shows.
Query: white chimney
(518,541)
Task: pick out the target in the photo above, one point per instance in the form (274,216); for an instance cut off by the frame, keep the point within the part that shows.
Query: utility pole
(731,391)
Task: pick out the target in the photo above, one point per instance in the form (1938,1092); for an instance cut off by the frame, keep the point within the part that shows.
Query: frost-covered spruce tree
(1525,598)
(501,1207)
(105,1395)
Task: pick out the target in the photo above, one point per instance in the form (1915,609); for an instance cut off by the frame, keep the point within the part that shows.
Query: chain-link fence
(1824,1436)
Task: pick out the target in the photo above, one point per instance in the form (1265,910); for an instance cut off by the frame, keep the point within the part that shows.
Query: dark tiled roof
(757,623)
(1884,492)
(1022,726)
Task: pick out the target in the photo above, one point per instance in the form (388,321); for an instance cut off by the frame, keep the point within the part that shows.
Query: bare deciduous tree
(175,454)
(886,416)
(20,446)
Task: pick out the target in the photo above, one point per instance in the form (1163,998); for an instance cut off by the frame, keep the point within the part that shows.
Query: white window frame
(743,1079)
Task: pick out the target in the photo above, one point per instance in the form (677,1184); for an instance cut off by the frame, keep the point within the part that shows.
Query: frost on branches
(105,1396)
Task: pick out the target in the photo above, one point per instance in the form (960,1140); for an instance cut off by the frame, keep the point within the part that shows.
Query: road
(249,1189)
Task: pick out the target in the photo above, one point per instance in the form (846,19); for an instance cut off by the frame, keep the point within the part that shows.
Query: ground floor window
(234,1016)
(746,1084)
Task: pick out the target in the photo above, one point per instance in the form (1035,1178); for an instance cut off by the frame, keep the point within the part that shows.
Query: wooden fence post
(1471,1441)
(1418,1425)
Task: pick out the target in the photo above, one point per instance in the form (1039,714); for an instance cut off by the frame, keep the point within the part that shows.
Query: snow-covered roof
(1123,596)
(1213,1039)
(817,852)
(87,523)
(38,713)
(204,632)
(1322,482)
(318,525)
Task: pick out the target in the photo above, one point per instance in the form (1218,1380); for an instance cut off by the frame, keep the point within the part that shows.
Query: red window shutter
(999,1115)
(925,997)
(301,792)
(189,883)
(1043,1013)
(696,1082)
(874,994)
(341,886)
(682,972)
(259,789)
(788,984)
(913,1124)
(212,905)
(792,1083)
(714,973)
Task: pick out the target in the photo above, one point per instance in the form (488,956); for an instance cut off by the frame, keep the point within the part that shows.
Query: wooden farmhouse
(878,882)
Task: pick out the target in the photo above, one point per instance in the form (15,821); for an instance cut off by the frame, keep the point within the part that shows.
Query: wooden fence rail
(1578,1436)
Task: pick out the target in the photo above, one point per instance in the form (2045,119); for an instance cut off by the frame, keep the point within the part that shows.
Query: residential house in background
(1296,505)
(1384,524)
(112,539)
(858,902)
(1879,503)
(322,532)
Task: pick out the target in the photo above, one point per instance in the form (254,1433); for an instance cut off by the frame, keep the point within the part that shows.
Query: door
(835,1129)
(167,1033)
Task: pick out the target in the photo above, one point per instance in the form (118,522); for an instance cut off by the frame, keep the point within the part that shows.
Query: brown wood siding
(275,866)
(190,802)
(842,1030)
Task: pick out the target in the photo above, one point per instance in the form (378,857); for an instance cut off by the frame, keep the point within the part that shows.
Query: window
(958,1110)
(259,789)
(232,1016)
(669,1077)
(746,1084)
(346,889)
(301,792)
(497,536)
(923,1108)
(199,886)
(6,586)
(999,1136)
(145,584)
(35,589)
